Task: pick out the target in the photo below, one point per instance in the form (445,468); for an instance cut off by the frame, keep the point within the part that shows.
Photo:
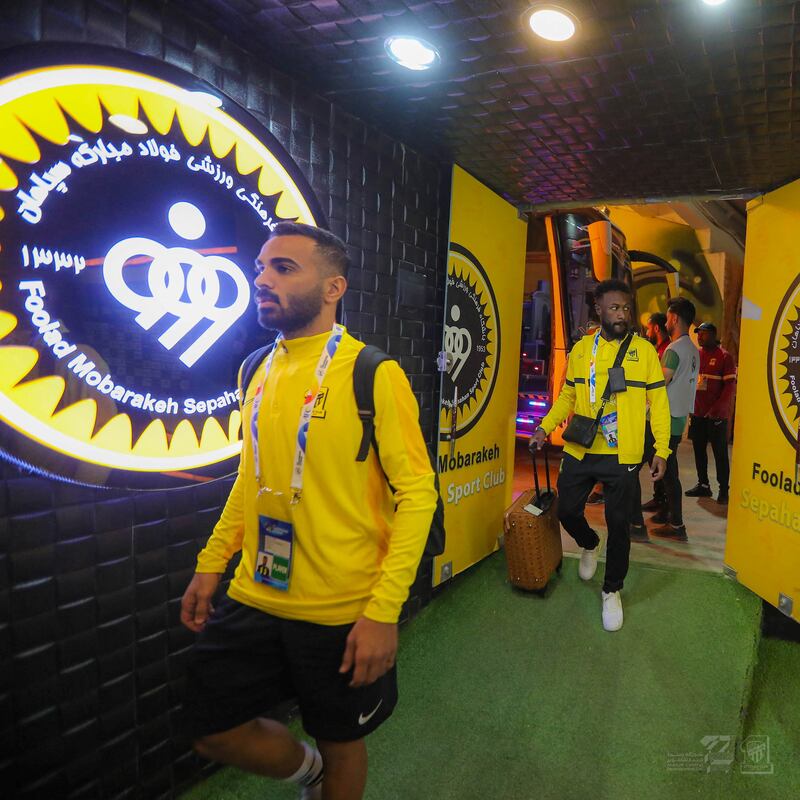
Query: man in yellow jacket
(616,453)
(328,549)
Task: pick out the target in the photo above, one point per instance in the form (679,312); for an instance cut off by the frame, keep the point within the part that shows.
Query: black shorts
(246,662)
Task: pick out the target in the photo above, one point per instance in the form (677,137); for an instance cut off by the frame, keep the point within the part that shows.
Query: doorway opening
(692,249)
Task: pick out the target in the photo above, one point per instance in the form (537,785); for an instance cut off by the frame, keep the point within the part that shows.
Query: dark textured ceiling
(658,98)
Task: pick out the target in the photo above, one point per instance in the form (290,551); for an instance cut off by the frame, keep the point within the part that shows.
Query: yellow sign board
(483,319)
(763,542)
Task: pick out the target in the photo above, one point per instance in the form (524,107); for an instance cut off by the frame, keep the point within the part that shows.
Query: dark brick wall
(91,651)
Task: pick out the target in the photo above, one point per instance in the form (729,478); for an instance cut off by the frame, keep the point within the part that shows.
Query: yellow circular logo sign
(783,365)
(133,201)
(471,344)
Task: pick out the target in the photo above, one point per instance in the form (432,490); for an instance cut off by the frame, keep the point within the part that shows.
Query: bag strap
(623,348)
(367,363)
(249,366)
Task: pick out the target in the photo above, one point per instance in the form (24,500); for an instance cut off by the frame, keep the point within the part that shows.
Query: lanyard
(328,352)
(593,370)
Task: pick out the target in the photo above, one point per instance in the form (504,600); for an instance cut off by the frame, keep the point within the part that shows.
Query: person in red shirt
(712,410)
(657,332)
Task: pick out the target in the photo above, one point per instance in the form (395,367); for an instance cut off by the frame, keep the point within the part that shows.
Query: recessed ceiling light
(411,52)
(552,23)
(128,124)
(208,98)
(713,2)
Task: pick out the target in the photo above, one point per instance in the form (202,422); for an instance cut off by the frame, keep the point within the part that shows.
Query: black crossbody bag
(582,430)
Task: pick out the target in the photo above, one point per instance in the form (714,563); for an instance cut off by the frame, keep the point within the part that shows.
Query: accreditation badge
(274,557)
(609,424)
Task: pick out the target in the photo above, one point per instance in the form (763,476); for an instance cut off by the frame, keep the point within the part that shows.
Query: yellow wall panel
(763,542)
(483,321)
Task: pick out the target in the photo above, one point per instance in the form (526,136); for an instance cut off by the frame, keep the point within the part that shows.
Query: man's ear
(335,288)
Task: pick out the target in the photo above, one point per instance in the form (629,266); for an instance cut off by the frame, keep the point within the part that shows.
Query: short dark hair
(682,308)
(330,246)
(659,319)
(611,285)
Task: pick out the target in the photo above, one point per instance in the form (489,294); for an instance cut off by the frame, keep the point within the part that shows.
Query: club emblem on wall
(471,344)
(133,200)
(783,364)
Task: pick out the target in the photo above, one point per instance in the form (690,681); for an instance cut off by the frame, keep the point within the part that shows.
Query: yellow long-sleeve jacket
(644,380)
(354,553)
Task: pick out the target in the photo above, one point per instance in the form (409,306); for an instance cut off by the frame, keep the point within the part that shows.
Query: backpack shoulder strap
(248,369)
(367,363)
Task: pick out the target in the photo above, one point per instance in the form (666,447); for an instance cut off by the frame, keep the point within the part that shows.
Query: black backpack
(367,363)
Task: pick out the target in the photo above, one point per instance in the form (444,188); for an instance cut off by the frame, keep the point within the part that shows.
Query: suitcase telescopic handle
(534,451)
(547,468)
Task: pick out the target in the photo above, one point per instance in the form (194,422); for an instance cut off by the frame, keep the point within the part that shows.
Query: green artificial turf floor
(510,695)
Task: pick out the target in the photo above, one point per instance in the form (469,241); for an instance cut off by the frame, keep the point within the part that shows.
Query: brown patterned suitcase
(533,543)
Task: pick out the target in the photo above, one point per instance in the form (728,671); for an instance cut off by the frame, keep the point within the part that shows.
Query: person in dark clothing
(712,409)
(658,336)
(681,364)
(637,530)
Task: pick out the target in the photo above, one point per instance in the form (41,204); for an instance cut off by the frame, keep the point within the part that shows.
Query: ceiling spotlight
(411,52)
(552,23)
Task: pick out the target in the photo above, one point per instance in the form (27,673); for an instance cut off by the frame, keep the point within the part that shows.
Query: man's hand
(658,468)
(196,605)
(537,440)
(370,651)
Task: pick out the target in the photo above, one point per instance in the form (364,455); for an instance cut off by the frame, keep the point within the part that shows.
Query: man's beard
(613,332)
(300,311)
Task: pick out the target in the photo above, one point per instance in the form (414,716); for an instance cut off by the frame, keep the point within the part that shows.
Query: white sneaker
(588,565)
(612,611)
(311,792)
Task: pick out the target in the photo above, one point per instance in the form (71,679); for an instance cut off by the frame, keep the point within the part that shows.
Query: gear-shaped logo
(471,342)
(783,364)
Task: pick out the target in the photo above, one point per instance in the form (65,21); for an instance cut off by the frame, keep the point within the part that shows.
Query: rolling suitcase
(533,542)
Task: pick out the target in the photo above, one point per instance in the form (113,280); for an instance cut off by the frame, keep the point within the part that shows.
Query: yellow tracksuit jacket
(354,554)
(644,380)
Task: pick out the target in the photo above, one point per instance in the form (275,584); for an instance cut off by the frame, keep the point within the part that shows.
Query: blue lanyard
(593,370)
(298,466)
